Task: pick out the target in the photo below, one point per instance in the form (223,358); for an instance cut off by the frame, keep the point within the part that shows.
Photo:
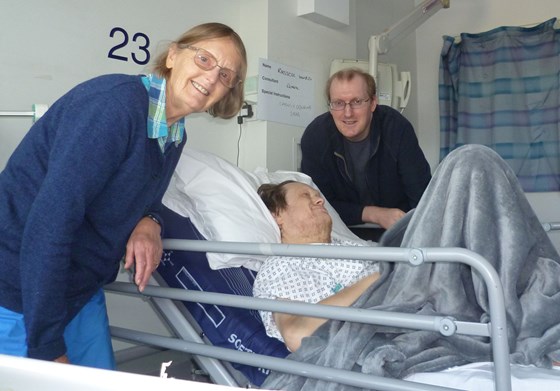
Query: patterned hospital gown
(306,279)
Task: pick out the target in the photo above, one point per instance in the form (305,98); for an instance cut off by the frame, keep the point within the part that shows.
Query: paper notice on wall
(285,94)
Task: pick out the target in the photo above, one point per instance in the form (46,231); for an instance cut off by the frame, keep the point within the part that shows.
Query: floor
(164,363)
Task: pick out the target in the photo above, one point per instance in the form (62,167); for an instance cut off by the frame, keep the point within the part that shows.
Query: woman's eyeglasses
(206,61)
(341,105)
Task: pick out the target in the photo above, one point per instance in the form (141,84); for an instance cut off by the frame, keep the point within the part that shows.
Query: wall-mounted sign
(285,94)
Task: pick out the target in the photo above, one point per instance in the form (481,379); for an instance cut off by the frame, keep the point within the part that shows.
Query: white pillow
(222,202)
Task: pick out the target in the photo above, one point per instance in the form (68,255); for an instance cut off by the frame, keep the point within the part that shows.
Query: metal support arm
(382,43)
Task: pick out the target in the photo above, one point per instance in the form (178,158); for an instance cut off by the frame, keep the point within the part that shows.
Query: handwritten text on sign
(285,94)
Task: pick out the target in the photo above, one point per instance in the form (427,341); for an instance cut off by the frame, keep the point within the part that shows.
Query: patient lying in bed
(299,211)
(473,201)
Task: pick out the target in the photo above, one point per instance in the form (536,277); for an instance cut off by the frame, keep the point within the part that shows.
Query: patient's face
(305,219)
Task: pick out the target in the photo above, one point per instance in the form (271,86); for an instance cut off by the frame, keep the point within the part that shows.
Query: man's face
(305,215)
(354,124)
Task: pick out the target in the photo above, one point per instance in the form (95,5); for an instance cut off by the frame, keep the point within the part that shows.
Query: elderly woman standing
(83,189)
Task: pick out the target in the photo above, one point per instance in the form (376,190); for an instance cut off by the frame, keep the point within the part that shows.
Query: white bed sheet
(479,377)
(24,374)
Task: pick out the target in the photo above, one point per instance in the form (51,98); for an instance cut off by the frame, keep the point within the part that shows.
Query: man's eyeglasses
(205,60)
(341,105)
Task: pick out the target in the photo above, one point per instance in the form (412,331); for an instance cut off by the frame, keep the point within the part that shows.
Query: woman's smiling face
(191,89)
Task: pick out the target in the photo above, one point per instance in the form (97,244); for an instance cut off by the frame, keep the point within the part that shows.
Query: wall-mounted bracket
(382,43)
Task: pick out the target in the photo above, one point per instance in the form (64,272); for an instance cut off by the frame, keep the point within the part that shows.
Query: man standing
(364,157)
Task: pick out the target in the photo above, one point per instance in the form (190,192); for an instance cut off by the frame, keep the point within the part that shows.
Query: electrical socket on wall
(245,112)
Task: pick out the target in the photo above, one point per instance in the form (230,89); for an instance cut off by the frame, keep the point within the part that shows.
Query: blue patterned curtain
(500,88)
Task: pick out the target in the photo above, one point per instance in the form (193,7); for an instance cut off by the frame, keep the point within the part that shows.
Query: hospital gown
(306,279)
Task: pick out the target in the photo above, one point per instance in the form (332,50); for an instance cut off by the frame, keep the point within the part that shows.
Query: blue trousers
(87,336)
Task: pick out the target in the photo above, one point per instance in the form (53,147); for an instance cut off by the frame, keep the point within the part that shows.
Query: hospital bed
(214,317)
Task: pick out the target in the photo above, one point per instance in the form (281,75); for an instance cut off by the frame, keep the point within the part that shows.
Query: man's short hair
(348,74)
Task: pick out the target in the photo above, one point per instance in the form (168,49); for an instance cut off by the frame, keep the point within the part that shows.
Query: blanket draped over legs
(474,201)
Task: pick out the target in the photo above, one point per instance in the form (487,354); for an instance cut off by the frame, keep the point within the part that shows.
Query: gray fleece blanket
(474,201)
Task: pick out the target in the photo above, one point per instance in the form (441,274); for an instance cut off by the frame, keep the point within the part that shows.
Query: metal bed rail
(37,111)
(447,326)
(550,226)
(279,364)
(553,226)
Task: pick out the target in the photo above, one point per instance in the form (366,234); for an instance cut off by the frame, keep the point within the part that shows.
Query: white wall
(48,46)
(251,21)
(308,46)
(373,18)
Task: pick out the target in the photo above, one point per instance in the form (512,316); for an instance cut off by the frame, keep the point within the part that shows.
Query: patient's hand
(385,217)
(144,250)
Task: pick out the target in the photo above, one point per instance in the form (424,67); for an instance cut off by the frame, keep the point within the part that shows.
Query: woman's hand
(62,359)
(144,250)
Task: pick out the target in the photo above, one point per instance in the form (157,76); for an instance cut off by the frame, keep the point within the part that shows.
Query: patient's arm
(295,327)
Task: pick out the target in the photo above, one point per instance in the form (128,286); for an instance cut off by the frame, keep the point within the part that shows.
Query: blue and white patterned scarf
(157,120)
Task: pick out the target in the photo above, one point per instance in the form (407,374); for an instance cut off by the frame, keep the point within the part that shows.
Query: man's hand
(144,250)
(385,217)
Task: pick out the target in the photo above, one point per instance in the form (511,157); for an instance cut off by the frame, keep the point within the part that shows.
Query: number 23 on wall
(140,42)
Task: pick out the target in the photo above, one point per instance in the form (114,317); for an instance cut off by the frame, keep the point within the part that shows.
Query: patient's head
(299,211)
